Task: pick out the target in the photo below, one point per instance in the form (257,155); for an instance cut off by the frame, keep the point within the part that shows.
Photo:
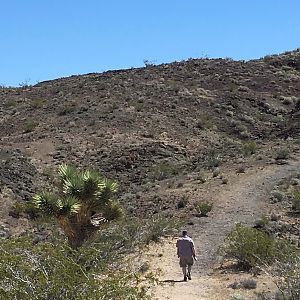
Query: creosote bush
(249,148)
(164,170)
(203,208)
(30,126)
(31,269)
(249,246)
(47,271)
(282,153)
(296,199)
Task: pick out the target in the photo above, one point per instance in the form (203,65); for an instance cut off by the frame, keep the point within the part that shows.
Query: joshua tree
(83,203)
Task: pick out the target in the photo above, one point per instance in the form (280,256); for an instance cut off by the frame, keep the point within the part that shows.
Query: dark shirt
(185,246)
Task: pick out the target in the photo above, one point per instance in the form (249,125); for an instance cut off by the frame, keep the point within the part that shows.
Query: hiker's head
(184,232)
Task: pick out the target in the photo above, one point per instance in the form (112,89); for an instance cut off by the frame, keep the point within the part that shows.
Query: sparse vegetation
(204,122)
(37,103)
(203,208)
(249,148)
(237,296)
(248,283)
(277,195)
(164,170)
(30,126)
(182,202)
(241,169)
(296,199)
(10,103)
(249,246)
(66,109)
(285,272)
(47,268)
(282,153)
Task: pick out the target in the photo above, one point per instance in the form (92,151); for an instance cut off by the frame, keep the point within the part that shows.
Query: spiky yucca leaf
(112,210)
(91,179)
(46,203)
(68,205)
(73,186)
(66,172)
(106,188)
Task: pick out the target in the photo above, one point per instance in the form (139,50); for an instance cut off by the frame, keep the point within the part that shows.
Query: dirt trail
(241,201)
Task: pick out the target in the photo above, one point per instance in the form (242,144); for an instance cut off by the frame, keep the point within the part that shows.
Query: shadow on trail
(171,281)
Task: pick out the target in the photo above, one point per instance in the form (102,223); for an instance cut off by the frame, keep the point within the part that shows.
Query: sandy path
(241,201)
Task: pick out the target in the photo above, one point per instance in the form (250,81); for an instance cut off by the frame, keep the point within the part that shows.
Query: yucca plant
(83,204)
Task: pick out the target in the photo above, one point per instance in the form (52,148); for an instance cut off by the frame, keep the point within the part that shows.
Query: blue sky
(47,39)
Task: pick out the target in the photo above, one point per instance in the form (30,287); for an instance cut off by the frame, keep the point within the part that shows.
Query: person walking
(186,254)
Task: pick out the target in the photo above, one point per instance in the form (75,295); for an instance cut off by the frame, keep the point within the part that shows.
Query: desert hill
(150,128)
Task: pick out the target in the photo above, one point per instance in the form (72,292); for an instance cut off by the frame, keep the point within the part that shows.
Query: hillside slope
(150,128)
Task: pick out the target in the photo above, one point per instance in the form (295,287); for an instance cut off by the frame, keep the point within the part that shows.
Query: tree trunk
(77,233)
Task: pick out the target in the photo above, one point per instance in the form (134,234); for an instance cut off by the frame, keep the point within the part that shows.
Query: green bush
(249,246)
(282,153)
(132,232)
(30,126)
(296,199)
(31,269)
(204,122)
(164,170)
(285,271)
(236,297)
(277,195)
(249,148)
(67,109)
(47,271)
(203,208)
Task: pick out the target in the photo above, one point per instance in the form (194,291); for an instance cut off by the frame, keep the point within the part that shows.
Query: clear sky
(47,39)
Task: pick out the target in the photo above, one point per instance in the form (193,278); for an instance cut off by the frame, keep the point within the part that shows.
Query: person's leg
(189,272)
(183,265)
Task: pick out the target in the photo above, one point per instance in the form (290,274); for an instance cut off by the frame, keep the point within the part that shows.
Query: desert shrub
(241,169)
(213,159)
(296,199)
(159,226)
(203,208)
(131,232)
(249,148)
(204,122)
(30,126)
(287,100)
(183,202)
(164,170)
(224,180)
(10,103)
(201,177)
(37,103)
(282,153)
(47,271)
(277,195)
(236,296)
(249,246)
(66,109)
(286,272)
(24,208)
(216,172)
(248,283)
(262,222)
